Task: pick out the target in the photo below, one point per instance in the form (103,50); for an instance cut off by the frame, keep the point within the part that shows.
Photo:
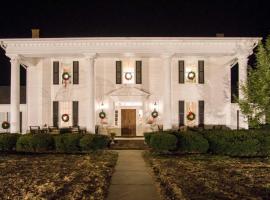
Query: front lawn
(56,176)
(211,177)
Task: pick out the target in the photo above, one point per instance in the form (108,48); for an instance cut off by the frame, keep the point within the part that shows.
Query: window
(181,69)
(138,72)
(75,113)
(118,72)
(75,72)
(181,113)
(234,83)
(201,71)
(56,73)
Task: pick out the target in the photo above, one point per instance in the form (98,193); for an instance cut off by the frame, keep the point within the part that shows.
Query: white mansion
(127,84)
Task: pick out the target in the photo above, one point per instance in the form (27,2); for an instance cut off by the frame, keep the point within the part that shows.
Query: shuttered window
(138,72)
(56,73)
(201,113)
(181,113)
(75,72)
(75,113)
(201,71)
(55,113)
(181,66)
(118,72)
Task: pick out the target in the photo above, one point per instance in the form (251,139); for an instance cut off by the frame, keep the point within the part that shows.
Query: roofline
(132,38)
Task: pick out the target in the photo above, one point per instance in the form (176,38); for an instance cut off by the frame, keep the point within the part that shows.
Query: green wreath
(102,115)
(154,114)
(191,75)
(65,76)
(65,117)
(191,116)
(5,125)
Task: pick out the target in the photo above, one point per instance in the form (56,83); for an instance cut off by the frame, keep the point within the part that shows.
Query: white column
(167,120)
(15,95)
(91,106)
(242,77)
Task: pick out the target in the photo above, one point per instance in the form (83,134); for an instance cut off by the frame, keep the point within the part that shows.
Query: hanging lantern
(191,75)
(65,117)
(5,125)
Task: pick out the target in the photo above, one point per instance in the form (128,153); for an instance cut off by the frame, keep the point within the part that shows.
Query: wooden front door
(128,122)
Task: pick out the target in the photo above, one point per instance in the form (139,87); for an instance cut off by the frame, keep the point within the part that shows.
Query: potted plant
(112,134)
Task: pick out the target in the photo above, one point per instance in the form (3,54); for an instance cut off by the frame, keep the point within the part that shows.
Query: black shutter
(55,113)
(201,113)
(234,83)
(181,113)
(181,66)
(56,73)
(118,72)
(75,112)
(201,71)
(75,72)
(138,72)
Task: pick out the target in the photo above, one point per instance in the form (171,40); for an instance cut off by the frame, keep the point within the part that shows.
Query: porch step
(129,144)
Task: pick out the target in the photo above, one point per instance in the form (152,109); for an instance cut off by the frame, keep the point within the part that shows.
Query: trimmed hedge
(190,142)
(69,142)
(147,137)
(8,141)
(241,143)
(35,143)
(163,142)
(94,142)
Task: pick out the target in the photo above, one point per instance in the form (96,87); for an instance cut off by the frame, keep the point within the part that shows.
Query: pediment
(128,91)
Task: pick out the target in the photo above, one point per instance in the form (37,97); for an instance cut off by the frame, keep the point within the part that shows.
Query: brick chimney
(35,33)
(219,34)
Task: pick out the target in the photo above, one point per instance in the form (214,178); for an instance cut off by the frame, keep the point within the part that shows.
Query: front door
(128,122)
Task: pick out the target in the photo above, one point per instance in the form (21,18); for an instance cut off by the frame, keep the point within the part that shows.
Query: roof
(5,95)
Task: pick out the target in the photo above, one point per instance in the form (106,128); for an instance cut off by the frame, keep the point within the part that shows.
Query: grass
(211,177)
(56,176)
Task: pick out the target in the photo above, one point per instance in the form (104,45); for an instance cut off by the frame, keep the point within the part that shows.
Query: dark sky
(75,18)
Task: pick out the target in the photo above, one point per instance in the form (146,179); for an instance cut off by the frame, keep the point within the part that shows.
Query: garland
(5,125)
(154,114)
(102,115)
(65,117)
(191,75)
(191,116)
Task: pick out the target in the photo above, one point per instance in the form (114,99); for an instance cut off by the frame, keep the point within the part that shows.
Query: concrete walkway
(131,179)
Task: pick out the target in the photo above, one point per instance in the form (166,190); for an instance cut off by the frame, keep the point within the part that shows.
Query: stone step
(128,144)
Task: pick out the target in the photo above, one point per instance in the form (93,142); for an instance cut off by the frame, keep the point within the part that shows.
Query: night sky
(66,18)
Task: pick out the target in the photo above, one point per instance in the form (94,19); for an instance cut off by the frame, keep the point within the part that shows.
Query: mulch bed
(211,177)
(56,176)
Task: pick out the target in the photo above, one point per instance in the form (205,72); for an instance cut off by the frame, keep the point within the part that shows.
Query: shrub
(163,142)
(94,142)
(190,142)
(35,143)
(69,142)
(8,141)
(242,143)
(24,144)
(147,137)
(42,142)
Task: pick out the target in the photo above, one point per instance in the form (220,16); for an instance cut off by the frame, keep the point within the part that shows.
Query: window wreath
(65,117)
(102,115)
(154,114)
(5,125)
(65,76)
(191,75)
(128,76)
(191,116)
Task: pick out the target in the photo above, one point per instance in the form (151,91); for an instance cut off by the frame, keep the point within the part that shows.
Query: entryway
(128,122)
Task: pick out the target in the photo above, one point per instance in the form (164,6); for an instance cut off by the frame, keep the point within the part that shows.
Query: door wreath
(102,115)
(154,114)
(65,117)
(191,116)
(191,75)
(5,125)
